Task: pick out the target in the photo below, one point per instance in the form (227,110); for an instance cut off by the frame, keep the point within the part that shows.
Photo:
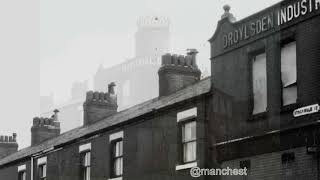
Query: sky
(46,45)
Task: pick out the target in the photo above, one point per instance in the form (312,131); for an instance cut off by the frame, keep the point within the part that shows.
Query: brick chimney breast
(44,128)
(177,72)
(8,145)
(99,105)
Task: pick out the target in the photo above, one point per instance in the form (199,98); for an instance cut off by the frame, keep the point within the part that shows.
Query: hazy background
(46,45)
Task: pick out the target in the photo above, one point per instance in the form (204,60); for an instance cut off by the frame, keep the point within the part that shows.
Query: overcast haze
(47,45)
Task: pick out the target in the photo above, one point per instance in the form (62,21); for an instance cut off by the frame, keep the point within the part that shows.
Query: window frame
(255,50)
(252,58)
(84,167)
(42,171)
(181,125)
(22,175)
(287,39)
(114,157)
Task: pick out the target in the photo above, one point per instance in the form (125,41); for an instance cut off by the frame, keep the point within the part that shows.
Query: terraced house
(259,110)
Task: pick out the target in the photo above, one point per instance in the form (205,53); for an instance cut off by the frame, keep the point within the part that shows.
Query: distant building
(46,103)
(71,112)
(152,40)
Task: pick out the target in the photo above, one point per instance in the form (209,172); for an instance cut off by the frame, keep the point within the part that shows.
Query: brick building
(259,110)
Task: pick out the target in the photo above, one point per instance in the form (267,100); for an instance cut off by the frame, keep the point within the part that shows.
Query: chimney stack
(45,128)
(177,72)
(8,145)
(99,105)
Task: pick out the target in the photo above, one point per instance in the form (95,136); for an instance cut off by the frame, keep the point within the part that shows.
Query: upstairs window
(85,164)
(42,168)
(189,144)
(22,174)
(117,158)
(187,139)
(259,83)
(289,73)
(43,171)
(116,154)
(85,160)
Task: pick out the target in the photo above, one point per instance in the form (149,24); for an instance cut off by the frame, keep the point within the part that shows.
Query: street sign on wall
(306,110)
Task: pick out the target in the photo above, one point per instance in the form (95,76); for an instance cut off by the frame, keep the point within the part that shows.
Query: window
(85,164)
(22,175)
(189,141)
(42,168)
(289,73)
(43,171)
(117,158)
(259,83)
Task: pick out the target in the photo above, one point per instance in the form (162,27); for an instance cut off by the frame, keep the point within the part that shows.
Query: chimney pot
(14,135)
(111,88)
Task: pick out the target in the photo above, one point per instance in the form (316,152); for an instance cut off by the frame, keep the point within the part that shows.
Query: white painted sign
(306,110)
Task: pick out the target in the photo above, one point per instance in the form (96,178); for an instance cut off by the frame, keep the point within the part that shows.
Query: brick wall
(270,167)
(150,149)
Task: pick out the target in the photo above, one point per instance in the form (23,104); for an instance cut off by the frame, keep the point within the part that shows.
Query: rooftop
(195,90)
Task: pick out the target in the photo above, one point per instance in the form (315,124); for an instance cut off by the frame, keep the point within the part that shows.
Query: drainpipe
(31,170)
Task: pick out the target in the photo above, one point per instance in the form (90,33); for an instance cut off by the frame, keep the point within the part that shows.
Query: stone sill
(186,166)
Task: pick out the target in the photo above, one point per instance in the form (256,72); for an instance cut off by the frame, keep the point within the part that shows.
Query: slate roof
(197,89)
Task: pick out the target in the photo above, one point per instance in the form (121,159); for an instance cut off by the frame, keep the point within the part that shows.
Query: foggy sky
(46,45)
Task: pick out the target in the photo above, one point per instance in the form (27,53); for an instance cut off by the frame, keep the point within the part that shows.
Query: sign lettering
(270,21)
(306,110)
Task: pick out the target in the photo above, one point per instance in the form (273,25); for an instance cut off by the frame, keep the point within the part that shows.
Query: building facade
(259,111)
(152,40)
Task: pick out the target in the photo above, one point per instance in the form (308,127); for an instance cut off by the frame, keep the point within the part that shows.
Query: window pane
(24,176)
(289,73)
(193,130)
(120,148)
(118,167)
(88,159)
(289,95)
(189,132)
(87,173)
(43,170)
(288,64)
(189,152)
(259,80)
